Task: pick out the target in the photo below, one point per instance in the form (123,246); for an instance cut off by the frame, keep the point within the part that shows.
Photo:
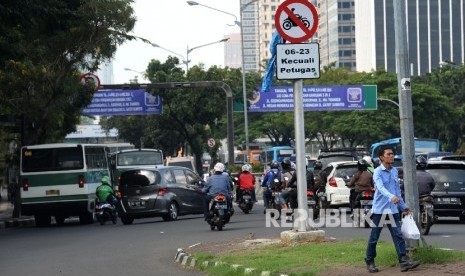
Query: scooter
(289,23)
(312,204)
(246,203)
(219,212)
(365,200)
(104,212)
(427,218)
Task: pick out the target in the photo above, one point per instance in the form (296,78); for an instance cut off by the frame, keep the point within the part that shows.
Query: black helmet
(274,164)
(362,165)
(318,165)
(421,162)
(286,164)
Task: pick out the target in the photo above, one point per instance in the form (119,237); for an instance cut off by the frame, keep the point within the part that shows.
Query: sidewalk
(6,212)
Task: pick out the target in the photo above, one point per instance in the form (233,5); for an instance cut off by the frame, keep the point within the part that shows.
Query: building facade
(435,34)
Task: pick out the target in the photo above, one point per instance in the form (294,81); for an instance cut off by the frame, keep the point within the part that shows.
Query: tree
(44,48)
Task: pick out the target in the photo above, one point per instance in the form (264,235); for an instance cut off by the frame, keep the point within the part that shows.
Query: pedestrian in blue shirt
(387,201)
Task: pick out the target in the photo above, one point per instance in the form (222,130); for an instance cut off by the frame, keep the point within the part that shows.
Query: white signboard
(297,61)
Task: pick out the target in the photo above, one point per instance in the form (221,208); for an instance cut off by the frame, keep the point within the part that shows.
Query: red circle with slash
(298,31)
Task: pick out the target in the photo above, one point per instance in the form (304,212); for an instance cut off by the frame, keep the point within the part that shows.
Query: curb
(186,260)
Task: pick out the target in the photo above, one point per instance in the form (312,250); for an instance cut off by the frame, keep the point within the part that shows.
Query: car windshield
(328,159)
(448,175)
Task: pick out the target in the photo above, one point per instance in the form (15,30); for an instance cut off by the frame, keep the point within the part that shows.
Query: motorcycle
(219,212)
(289,23)
(312,205)
(104,212)
(365,201)
(246,203)
(427,218)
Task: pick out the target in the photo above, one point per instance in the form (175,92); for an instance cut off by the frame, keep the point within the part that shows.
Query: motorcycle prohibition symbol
(289,23)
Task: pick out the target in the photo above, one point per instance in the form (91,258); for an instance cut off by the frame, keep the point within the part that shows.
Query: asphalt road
(148,246)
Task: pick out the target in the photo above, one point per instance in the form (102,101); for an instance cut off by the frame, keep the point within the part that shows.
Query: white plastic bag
(409,228)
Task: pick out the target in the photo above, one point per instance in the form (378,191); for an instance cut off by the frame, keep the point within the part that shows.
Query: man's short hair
(382,149)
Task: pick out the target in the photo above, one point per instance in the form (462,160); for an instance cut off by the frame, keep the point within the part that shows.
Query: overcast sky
(175,25)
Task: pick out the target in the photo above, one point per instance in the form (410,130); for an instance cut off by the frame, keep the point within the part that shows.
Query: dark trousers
(266,198)
(396,234)
(239,193)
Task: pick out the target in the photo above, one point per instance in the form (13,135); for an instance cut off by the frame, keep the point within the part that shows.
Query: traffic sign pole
(297,21)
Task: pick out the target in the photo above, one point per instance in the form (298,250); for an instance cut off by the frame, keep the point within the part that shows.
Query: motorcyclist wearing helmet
(105,193)
(245,181)
(371,165)
(290,182)
(320,176)
(273,173)
(425,181)
(218,183)
(361,181)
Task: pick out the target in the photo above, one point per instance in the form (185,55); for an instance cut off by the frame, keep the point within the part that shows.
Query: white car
(338,175)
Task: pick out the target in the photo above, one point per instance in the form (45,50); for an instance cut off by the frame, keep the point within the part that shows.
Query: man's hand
(395,199)
(405,212)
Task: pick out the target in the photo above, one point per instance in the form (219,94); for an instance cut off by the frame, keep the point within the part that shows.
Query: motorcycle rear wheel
(425,226)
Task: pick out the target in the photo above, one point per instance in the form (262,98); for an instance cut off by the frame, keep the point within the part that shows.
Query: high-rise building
(249,21)
(435,33)
(336,33)
(232,51)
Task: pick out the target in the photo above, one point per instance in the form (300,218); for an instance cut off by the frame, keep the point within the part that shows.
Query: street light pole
(184,60)
(196,47)
(244,84)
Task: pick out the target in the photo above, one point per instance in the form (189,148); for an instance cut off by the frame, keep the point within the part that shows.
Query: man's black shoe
(371,267)
(406,264)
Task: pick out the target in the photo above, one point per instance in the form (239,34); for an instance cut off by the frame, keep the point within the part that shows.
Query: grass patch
(312,259)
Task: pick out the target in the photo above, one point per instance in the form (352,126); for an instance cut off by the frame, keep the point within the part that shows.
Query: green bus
(60,180)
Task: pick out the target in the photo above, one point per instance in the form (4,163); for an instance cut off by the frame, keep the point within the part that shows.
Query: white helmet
(245,168)
(368,159)
(219,167)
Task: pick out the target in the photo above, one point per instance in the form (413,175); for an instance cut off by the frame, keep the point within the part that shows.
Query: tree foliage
(45,46)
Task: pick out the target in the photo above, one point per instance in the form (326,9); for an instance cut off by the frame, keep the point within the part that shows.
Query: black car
(449,193)
(166,191)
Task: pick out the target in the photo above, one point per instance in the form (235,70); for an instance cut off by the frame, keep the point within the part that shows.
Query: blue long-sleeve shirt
(387,186)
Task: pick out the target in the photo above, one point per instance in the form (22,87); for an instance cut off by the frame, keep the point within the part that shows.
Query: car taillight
(81,181)
(118,195)
(373,189)
(332,182)
(119,180)
(162,191)
(309,193)
(367,194)
(25,184)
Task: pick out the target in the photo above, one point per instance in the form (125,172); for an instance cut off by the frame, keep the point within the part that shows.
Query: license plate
(136,203)
(447,200)
(275,194)
(246,197)
(52,192)
(311,202)
(366,202)
(221,206)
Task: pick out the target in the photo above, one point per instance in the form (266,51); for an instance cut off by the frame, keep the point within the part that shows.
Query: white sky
(175,25)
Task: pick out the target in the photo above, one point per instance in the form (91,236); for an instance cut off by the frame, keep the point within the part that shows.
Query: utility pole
(405,109)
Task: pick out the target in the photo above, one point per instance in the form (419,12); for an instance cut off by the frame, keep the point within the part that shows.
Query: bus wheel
(42,220)
(60,220)
(86,218)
